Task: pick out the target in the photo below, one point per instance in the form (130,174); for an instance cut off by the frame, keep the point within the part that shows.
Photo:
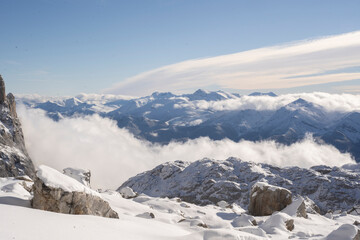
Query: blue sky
(67,47)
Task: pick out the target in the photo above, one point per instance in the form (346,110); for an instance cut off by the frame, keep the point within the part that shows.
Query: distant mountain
(165,117)
(271,94)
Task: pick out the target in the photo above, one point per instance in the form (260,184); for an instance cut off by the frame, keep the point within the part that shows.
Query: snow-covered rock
(56,192)
(265,199)
(81,175)
(14,159)
(345,232)
(127,193)
(209,181)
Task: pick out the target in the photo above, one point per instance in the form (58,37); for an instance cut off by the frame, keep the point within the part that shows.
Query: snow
(55,179)
(344,232)
(127,192)
(173,220)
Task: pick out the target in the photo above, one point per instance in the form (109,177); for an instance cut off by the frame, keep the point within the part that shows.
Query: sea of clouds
(114,154)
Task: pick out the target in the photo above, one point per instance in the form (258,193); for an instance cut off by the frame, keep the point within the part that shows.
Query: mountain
(165,117)
(14,159)
(209,181)
(271,94)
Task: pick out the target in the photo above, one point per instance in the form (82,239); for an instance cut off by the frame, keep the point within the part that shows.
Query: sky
(137,47)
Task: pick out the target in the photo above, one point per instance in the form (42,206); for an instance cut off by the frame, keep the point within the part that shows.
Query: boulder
(127,192)
(59,193)
(266,199)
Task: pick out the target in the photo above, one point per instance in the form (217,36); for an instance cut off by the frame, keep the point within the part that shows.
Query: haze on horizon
(138,47)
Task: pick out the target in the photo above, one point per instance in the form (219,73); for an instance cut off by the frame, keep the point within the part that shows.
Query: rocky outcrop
(81,175)
(14,159)
(55,193)
(209,181)
(266,199)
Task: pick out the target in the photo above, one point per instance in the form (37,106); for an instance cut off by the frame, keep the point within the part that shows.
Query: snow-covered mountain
(164,117)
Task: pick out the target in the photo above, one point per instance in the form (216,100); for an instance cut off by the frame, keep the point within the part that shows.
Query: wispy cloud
(307,62)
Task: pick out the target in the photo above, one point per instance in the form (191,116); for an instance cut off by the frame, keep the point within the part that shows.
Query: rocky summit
(14,159)
(209,181)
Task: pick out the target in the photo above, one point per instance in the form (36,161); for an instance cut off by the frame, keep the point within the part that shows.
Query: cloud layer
(308,62)
(113,155)
(329,102)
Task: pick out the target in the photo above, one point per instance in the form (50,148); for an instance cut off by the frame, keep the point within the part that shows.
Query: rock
(81,175)
(297,208)
(209,181)
(223,204)
(147,215)
(301,211)
(127,192)
(14,159)
(290,224)
(203,225)
(59,193)
(310,206)
(266,199)
(329,215)
(356,223)
(354,211)
(2,91)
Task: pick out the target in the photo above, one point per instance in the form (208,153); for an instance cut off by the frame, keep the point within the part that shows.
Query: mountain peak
(200,92)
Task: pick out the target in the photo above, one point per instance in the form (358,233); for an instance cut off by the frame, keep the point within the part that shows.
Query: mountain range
(166,117)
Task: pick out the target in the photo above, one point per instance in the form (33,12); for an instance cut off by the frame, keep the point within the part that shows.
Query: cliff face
(14,159)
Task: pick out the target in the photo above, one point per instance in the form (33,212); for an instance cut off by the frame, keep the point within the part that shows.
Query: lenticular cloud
(113,154)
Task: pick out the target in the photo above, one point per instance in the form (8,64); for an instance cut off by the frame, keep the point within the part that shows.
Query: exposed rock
(203,225)
(354,210)
(14,159)
(297,208)
(2,91)
(209,181)
(55,196)
(266,199)
(81,175)
(147,215)
(290,224)
(310,206)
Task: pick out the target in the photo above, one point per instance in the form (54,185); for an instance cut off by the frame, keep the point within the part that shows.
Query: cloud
(297,64)
(329,102)
(113,154)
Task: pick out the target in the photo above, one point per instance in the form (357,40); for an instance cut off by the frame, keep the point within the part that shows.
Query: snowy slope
(173,219)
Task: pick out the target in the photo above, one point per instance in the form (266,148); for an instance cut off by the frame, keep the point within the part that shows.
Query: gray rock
(209,181)
(266,199)
(14,159)
(60,201)
(290,224)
